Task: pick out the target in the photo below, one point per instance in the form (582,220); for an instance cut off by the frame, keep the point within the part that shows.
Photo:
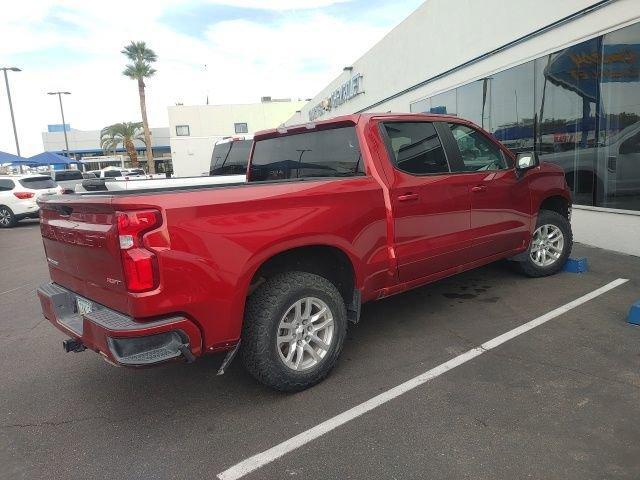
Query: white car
(18,196)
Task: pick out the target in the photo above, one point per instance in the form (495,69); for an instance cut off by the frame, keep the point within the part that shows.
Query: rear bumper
(25,208)
(32,214)
(120,339)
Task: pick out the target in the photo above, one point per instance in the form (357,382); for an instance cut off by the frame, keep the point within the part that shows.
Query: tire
(7,218)
(531,264)
(264,349)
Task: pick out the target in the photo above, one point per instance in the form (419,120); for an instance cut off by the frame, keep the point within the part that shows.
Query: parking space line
(16,288)
(261,459)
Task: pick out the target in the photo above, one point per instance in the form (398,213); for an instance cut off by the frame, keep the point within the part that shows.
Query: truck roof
(352,120)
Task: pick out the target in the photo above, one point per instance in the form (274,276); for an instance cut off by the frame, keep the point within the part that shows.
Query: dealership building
(562,78)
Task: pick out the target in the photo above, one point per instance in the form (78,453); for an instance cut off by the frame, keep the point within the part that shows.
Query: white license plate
(84,306)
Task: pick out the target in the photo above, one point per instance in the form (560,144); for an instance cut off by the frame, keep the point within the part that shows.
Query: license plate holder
(83,306)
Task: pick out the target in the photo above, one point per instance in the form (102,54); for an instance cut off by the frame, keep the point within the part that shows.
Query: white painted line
(16,288)
(261,459)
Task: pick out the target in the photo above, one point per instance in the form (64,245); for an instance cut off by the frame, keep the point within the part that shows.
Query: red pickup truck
(333,214)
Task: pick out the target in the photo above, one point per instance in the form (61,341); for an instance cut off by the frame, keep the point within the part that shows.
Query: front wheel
(550,245)
(294,328)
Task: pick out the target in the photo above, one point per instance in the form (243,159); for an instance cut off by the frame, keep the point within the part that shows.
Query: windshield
(37,183)
(230,158)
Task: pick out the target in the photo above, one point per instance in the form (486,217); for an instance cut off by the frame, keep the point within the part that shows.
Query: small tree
(122,133)
(140,68)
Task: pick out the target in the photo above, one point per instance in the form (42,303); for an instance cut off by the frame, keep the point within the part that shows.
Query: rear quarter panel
(220,237)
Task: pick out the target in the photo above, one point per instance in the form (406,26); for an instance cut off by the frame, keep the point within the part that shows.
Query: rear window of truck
(37,183)
(68,175)
(230,158)
(320,153)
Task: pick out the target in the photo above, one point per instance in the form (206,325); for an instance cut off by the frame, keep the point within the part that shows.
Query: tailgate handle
(63,210)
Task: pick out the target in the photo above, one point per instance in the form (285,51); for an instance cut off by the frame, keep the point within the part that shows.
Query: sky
(233,51)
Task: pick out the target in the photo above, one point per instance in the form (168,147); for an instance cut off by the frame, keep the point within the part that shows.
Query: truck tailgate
(81,246)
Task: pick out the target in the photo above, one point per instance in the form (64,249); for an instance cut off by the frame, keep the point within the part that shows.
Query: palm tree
(122,133)
(141,58)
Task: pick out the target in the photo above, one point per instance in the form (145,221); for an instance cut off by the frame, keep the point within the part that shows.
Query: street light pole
(13,120)
(64,125)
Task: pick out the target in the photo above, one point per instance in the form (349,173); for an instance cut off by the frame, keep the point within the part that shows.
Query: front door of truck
(431,207)
(500,200)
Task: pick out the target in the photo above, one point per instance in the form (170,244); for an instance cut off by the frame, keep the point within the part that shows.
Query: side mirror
(527,160)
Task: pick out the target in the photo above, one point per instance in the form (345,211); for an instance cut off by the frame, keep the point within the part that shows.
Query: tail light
(140,264)
(24,195)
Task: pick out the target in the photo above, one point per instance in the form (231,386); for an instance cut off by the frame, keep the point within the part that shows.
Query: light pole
(13,120)
(64,125)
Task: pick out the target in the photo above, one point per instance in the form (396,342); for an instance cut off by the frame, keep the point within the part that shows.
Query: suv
(18,195)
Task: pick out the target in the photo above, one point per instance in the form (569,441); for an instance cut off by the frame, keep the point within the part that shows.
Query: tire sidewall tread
(554,218)
(263,312)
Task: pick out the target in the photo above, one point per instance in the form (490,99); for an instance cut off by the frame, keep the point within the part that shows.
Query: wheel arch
(556,203)
(327,260)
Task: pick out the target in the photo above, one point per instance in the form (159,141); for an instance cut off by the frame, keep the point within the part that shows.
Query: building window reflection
(579,108)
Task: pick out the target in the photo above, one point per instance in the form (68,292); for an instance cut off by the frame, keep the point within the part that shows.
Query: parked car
(334,214)
(135,172)
(66,179)
(18,196)
(89,175)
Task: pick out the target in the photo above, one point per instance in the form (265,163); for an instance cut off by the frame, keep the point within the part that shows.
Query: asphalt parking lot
(559,401)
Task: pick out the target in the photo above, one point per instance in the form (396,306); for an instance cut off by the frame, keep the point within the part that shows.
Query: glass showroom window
(512,106)
(444,103)
(566,99)
(421,106)
(473,102)
(619,150)
(241,128)
(182,130)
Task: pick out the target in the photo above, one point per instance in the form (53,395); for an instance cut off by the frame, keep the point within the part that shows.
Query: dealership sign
(340,95)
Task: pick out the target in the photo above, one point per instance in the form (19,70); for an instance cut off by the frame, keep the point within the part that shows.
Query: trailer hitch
(72,345)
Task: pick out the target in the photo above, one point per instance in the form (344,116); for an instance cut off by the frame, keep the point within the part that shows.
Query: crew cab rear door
(500,199)
(431,207)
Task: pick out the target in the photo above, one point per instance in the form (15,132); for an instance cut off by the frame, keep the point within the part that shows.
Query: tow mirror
(527,160)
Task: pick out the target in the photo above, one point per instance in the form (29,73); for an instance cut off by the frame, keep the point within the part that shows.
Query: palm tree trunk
(131,151)
(145,125)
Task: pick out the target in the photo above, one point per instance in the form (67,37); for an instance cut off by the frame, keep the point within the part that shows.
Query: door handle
(407,197)
(479,188)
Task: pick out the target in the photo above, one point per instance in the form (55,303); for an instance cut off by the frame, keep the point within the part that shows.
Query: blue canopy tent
(50,158)
(9,158)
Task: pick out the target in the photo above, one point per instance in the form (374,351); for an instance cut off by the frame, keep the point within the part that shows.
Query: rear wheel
(7,218)
(550,245)
(294,329)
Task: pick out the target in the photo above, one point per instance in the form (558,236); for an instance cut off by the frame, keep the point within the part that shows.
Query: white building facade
(196,128)
(562,78)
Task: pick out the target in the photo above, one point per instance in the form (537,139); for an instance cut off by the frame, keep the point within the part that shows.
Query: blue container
(576,265)
(634,313)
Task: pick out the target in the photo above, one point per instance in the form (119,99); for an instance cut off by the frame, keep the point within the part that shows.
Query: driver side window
(478,153)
